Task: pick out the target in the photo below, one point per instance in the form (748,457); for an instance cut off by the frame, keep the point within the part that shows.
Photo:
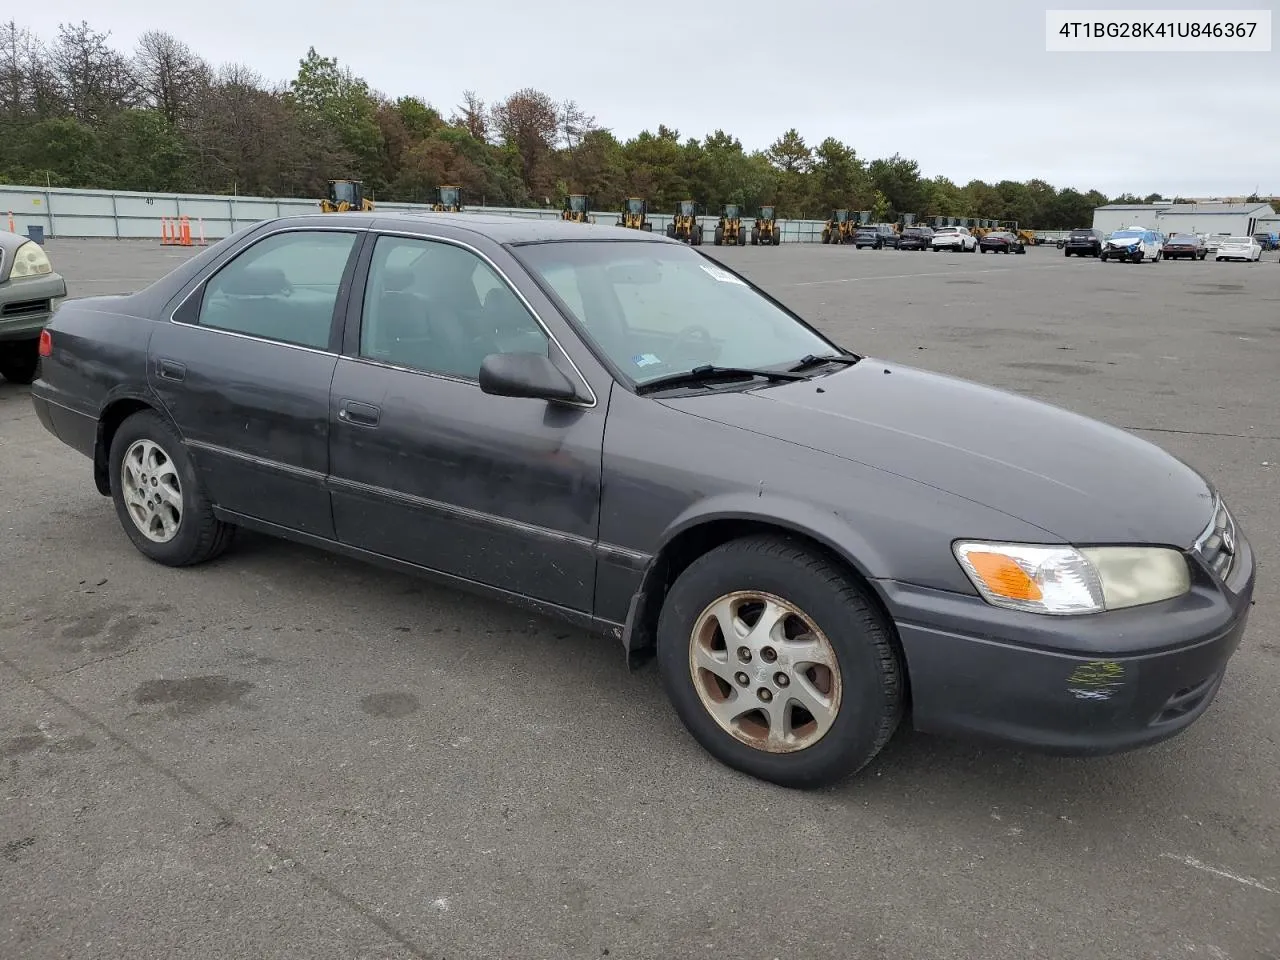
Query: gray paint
(883,465)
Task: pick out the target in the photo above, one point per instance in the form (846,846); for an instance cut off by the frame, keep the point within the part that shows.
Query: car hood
(1125,241)
(1076,478)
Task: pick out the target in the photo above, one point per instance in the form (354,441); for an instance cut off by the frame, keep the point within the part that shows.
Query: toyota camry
(612,428)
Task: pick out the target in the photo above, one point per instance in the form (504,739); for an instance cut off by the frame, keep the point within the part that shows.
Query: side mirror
(529,375)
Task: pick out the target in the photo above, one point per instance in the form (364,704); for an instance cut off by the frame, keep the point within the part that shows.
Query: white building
(1236,219)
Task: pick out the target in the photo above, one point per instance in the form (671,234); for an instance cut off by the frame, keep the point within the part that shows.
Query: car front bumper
(1082,685)
(27,303)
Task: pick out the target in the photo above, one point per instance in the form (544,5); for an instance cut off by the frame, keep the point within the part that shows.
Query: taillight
(46,343)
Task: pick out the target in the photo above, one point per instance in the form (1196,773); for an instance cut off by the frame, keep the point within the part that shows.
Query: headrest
(256,282)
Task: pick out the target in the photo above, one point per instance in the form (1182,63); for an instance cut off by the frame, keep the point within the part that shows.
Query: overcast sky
(966,89)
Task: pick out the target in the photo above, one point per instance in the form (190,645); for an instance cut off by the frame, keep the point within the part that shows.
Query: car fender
(826,526)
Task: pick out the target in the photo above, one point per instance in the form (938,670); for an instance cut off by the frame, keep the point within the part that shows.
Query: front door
(428,469)
(245,375)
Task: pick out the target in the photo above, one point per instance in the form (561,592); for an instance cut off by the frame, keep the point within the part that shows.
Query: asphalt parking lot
(286,754)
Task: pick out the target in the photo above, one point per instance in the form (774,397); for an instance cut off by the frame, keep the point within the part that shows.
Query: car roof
(500,228)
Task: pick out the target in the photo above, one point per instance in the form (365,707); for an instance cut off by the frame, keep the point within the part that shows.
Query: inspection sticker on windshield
(645,360)
(724,276)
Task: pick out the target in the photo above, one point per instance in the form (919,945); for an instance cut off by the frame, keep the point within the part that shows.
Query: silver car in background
(29,292)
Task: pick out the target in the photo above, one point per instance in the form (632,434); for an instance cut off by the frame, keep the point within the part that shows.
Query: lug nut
(781,679)
(768,654)
(742,678)
(744,654)
(764,694)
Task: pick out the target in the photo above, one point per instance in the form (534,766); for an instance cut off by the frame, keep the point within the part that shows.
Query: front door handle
(172,370)
(364,414)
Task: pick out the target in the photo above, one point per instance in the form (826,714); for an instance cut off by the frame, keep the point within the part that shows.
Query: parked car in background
(1239,248)
(1134,245)
(625,434)
(916,238)
(958,239)
(1267,241)
(1000,241)
(1214,240)
(1084,242)
(875,236)
(29,293)
(1185,246)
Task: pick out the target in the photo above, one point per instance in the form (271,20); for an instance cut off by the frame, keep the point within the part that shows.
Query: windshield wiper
(709,373)
(813,360)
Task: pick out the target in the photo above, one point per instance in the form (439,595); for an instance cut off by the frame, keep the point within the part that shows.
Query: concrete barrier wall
(125,215)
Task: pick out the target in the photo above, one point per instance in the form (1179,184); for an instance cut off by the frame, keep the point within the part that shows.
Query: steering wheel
(694,337)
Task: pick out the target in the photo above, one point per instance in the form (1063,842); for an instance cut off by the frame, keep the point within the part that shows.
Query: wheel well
(115,414)
(689,545)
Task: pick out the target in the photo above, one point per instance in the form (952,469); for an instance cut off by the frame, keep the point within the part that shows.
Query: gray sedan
(612,428)
(29,290)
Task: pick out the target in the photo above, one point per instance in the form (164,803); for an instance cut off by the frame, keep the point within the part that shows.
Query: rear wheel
(20,360)
(778,663)
(718,238)
(158,496)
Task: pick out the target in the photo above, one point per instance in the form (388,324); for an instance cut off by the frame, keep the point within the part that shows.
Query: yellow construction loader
(839,228)
(635,214)
(448,199)
(577,208)
(684,224)
(345,196)
(766,228)
(729,232)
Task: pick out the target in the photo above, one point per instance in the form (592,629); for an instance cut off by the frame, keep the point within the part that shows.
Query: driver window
(439,308)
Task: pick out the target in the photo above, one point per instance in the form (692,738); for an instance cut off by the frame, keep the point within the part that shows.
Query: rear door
(428,469)
(244,370)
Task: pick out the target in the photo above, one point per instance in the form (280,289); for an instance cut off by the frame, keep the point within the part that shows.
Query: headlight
(1066,580)
(30,261)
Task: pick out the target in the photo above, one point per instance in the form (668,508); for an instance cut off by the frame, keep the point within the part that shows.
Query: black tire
(777,238)
(742,238)
(718,237)
(20,360)
(671,230)
(871,674)
(201,536)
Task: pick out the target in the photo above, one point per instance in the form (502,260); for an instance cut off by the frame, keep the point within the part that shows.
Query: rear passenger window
(283,288)
(439,308)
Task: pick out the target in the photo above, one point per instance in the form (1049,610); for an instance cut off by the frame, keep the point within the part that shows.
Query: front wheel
(778,663)
(20,360)
(158,496)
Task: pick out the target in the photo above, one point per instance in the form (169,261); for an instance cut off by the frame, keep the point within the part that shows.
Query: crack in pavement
(1204,433)
(224,814)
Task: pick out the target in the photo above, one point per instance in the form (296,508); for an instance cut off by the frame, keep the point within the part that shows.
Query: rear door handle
(353,411)
(172,370)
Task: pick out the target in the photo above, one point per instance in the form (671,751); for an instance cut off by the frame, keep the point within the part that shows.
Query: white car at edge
(1134,244)
(1239,248)
(955,238)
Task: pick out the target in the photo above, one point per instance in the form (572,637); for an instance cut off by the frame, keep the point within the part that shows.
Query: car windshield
(948,229)
(1183,238)
(1082,233)
(656,309)
(1234,240)
(1127,235)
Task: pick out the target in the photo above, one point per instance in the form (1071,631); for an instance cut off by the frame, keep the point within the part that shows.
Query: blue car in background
(1268,241)
(1134,244)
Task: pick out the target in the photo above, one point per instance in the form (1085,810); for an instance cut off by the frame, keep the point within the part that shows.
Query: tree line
(77,112)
